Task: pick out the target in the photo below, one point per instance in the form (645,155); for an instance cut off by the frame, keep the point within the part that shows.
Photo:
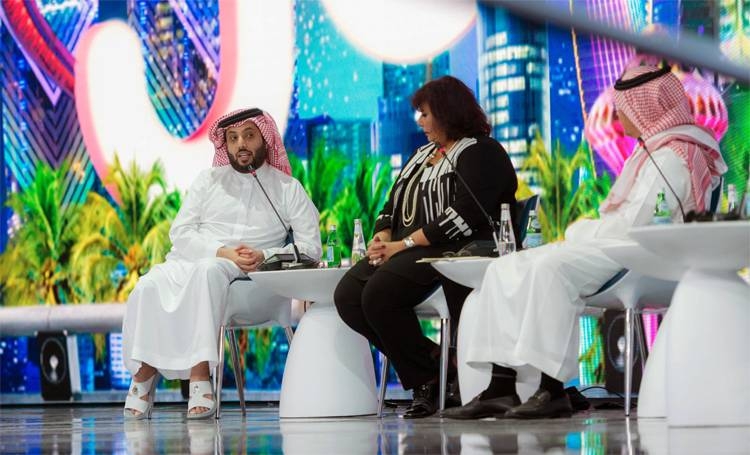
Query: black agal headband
(621,84)
(240,116)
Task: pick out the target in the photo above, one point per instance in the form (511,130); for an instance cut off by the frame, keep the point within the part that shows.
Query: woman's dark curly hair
(454,107)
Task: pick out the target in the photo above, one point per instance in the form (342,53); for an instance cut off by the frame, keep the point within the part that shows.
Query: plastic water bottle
(745,206)
(533,237)
(662,214)
(731,199)
(358,243)
(507,237)
(333,251)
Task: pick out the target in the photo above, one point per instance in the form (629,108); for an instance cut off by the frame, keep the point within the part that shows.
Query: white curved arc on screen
(116,115)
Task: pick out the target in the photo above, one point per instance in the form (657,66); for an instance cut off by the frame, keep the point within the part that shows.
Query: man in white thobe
(225,228)
(527,310)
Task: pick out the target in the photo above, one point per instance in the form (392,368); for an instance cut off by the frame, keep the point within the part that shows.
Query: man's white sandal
(197,400)
(133,402)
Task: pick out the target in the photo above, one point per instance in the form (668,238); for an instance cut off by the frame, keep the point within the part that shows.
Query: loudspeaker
(613,332)
(58,364)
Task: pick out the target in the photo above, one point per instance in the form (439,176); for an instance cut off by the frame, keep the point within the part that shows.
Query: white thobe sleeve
(185,234)
(638,208)
(305,221)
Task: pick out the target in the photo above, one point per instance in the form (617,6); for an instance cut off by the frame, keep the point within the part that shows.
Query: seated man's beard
(259,157)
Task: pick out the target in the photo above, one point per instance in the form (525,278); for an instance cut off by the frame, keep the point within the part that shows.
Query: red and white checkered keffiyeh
(277,156)
(654,107)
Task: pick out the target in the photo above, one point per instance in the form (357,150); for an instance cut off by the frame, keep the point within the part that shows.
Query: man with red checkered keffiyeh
(225,228)
(525,315)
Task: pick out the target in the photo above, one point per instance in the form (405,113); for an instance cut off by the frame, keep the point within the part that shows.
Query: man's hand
(246,258)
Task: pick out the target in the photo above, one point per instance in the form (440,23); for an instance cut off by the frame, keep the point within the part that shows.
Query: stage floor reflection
(101,429)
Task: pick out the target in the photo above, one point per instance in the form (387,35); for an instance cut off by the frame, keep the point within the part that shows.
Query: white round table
(466,272)
(635,257)
(706,335)
(329,370)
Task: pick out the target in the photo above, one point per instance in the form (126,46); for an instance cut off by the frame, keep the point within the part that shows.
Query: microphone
(642,143)
(490,221)
(289,230)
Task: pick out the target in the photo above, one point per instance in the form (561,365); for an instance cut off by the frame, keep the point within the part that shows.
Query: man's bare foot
(200,373)
(144,375)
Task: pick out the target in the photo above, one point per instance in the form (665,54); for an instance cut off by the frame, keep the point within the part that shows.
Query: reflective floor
(100,429)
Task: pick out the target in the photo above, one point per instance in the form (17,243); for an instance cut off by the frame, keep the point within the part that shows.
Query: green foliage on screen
(121,242)
(363,197)
(86,252)
(735,147)
(342,192)
(569,185)
(34,268)
(321,177)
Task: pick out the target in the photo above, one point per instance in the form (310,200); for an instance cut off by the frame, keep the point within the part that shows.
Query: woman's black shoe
(480,409)
(425,402)
(541,405)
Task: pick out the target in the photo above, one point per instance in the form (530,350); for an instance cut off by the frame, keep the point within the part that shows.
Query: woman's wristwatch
(409,242)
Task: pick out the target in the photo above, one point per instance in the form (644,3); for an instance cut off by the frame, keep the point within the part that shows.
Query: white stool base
(329,370)
(708,365)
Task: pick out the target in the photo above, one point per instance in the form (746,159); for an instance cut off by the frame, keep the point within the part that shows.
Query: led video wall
(104,97)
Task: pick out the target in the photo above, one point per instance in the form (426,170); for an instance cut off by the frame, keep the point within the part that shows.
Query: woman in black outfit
(429,211)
